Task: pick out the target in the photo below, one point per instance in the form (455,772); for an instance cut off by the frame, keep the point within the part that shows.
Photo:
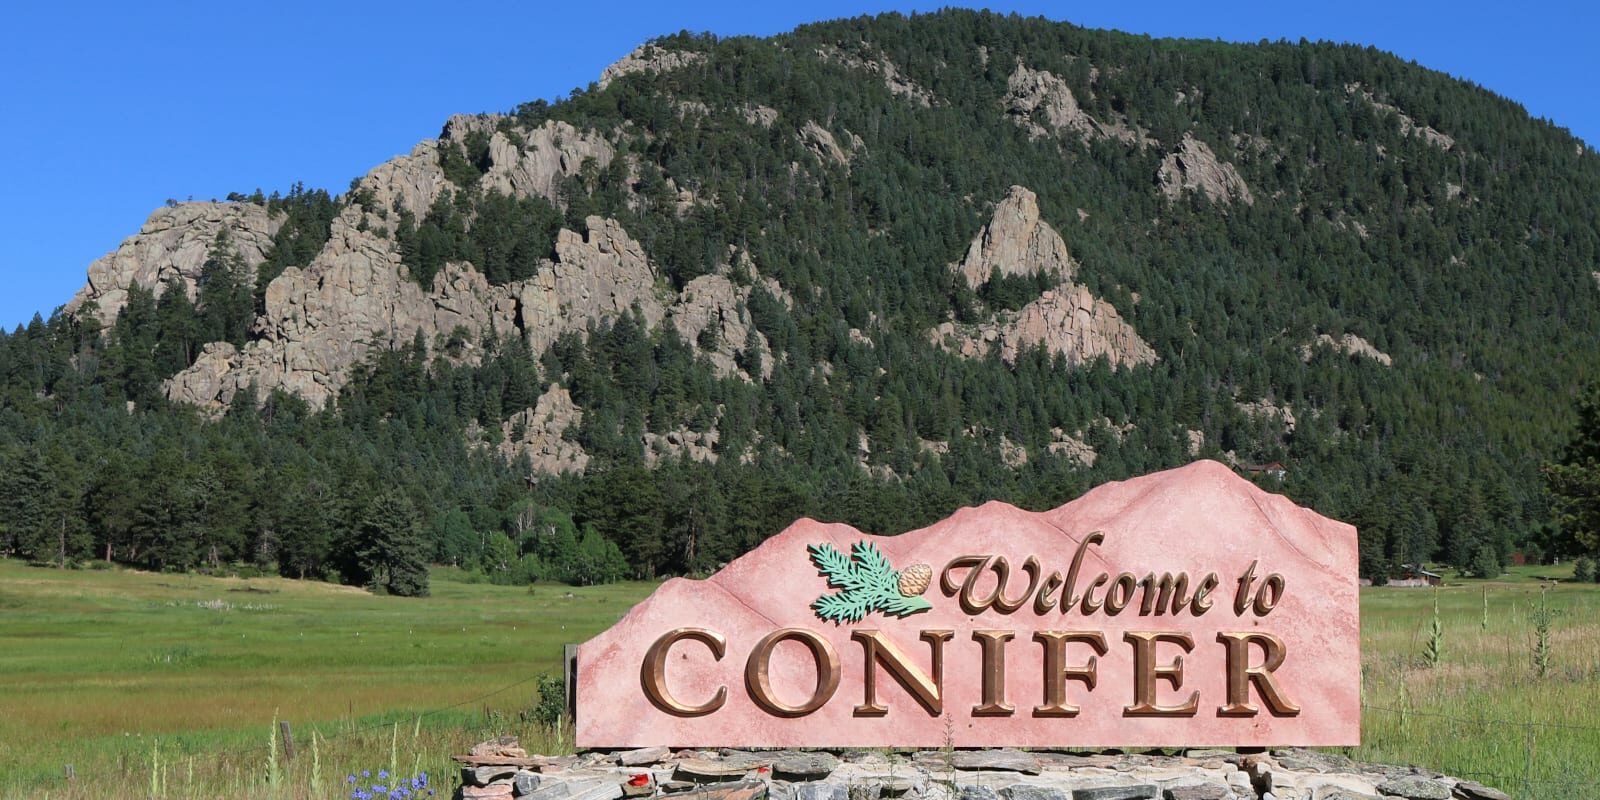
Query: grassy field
(1484,711)
(167,685)
(98,666)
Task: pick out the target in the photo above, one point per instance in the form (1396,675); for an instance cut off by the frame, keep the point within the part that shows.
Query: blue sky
(109,109)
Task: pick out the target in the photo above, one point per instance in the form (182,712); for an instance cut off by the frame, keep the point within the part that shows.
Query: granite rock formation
(175,243)
(1042,103)
(1066,320)
(1193,167)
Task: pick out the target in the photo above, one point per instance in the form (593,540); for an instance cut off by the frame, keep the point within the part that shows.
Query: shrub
(552,703)
(1583,571)
(1485,563)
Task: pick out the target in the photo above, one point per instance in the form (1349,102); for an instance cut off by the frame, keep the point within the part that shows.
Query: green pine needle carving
(866,582)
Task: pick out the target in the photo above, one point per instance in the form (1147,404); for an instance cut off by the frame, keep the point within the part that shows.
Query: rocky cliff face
(648,58)
(1349,344)
(1193,167)
(174,243)
(540,434)
(1042,103)
(1066,320)
(1016,243)
(323,318)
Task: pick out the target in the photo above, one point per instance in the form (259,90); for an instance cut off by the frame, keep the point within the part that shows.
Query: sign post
(1188,607)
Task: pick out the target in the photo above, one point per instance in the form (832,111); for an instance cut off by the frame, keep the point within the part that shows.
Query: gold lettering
(1068,597)
(1164,595)
(878,649)
(1240,676)
(947,580)
(1091,605)
(1057,673)
(1146,673)
(1120,593)
(653,672)
(972,603)
(757,679)
(1241,598)
(1263,604)
(994,674)
(1202,594)
(1045,599)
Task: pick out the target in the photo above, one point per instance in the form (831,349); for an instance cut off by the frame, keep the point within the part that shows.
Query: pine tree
(391,546)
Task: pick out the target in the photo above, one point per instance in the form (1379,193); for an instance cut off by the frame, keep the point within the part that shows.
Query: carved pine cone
(914,579)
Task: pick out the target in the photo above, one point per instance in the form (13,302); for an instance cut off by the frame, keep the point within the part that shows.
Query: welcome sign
(1184,608)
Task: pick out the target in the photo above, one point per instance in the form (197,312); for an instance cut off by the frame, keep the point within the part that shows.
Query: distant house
(1415,575)
(1273,469)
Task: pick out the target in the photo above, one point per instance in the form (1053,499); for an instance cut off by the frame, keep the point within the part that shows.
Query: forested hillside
(869,271)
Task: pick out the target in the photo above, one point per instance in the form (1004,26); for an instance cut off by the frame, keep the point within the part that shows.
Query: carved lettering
(877,650)
(1057,672)
(653,672)
(758,682)
(1146,672)
(1241,676)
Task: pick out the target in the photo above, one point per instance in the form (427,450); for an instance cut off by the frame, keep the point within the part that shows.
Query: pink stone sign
(1184,608)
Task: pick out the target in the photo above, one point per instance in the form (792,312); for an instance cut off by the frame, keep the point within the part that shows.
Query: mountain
(868,271)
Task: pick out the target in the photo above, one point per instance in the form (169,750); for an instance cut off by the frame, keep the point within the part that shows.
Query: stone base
(1209,774)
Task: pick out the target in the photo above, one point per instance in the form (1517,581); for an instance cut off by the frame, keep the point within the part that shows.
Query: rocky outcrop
(1265,409)
(759,115)
(716,302)
(1066,320)
(1350,344)
(322,320)
(538,434)
(1072,447)
(410,182)
(545,157)
(896,82)
(1042,103)
(1015,243)
(1192,167)
(1408,126)
(595,276)
(175,243)
(681,443)
(649,58)
(820,141)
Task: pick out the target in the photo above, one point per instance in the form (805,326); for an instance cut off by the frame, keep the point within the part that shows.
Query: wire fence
(1500,780)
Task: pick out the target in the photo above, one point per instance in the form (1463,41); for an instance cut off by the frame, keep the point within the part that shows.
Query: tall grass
(1487,710)
(168,686)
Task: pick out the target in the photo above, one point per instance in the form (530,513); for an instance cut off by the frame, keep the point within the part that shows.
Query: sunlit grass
(1484,712)
(131,676)
(98,666)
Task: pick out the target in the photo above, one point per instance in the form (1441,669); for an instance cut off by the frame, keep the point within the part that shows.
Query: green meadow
(153,685)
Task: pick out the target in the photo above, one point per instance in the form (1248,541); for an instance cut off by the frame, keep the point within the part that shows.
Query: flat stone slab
(1199,791)
(1140,791)
(1025,791)
(1471,790)
(1415,787)
(1002,760)
(803,766)
(705,769)
(508,761)
(483,776)
(643,756)
(821,791)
